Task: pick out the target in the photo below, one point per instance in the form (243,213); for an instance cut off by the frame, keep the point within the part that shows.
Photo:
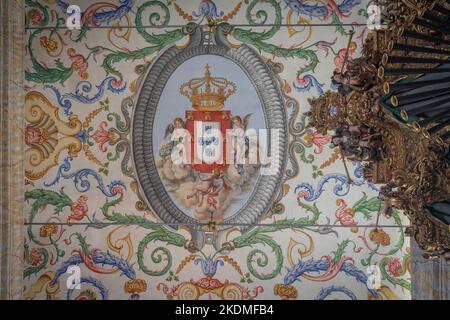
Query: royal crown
(208,93)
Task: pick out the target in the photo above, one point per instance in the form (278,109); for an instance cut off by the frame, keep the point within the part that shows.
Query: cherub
(175,129)
(210,187)
(360,75)
(360,141)
(177,132)
(385,195)
(240,143)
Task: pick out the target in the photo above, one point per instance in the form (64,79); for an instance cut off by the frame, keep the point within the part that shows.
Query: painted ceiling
(84,209)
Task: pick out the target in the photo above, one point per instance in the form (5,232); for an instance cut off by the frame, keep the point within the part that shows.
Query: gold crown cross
(208,93)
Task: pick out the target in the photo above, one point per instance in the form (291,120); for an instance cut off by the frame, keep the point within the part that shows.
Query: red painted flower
(79,209)
(79,63)
(394,267)
(86,295)
(35,16)
(35,256)
(318,140)
(32,135)
(102,136)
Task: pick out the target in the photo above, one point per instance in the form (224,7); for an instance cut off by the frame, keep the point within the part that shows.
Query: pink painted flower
(79,63)
(208,283)
(340,57)
(344,214)
(117,84)
(35,16)
(79,209)
(35,256)
(102,136)
(303,194)
(319,141)
(32,135)
(117,190)
(394,267)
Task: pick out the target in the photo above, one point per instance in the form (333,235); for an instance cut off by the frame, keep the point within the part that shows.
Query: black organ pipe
(420,96)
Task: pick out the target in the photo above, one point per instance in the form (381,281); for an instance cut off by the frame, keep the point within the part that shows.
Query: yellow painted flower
(135,286)
(285,291)
(47,230)
(48,44)
(380,237)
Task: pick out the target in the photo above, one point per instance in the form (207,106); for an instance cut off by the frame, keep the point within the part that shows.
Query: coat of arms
(205,158)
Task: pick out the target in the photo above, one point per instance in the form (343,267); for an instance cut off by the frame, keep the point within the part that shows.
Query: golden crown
(208,93)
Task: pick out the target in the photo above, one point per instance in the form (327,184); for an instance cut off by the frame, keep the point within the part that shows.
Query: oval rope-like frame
(149,180)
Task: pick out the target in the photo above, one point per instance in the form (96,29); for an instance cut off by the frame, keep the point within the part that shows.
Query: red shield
(208,143)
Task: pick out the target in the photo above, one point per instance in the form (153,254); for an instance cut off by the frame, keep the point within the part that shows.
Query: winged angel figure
(240,142)
(175,134)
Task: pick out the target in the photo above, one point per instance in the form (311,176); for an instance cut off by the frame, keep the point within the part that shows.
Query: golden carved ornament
(412,166)
(327,112)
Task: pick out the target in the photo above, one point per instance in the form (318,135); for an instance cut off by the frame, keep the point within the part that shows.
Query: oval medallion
(209,135)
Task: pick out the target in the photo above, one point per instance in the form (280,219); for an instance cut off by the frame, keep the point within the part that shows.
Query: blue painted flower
(82,136)
(209,266)
(207,8)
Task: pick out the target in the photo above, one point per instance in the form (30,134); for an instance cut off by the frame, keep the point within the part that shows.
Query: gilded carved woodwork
(412,166)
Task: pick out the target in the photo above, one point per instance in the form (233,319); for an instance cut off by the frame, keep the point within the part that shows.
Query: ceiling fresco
(105,202)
